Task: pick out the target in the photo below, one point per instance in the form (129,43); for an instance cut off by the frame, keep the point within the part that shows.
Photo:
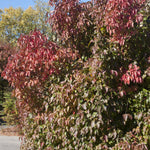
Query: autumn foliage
(132,75)
(120,18)
(36,55)
(92,90)
(5,51)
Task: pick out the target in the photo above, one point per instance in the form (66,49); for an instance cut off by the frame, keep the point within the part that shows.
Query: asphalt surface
(9,143)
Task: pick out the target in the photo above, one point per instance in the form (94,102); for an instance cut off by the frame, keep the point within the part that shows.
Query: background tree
(43,9)
(14,22)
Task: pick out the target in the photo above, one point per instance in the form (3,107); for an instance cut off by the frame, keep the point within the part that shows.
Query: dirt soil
(9,131)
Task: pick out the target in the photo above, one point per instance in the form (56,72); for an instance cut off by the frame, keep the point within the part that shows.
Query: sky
(20,3)
(17,3)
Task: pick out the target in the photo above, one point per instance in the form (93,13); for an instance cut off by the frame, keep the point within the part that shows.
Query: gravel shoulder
(9,130)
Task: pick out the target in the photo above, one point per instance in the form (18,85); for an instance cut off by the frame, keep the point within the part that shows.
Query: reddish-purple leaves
(120,17)
(35,53)
(70,17)
(35,61)
(132,75)
(65,17)
(5,51)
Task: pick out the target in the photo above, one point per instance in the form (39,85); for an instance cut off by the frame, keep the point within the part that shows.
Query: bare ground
(9,130)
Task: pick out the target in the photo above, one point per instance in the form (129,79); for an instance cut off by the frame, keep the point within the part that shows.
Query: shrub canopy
(92,91)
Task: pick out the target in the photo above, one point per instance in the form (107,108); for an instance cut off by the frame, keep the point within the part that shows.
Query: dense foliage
(6,50)
(92,92)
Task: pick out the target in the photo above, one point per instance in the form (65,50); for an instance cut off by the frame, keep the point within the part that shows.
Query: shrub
(90,98)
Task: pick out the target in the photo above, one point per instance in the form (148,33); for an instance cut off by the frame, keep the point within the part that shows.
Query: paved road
(9,143)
